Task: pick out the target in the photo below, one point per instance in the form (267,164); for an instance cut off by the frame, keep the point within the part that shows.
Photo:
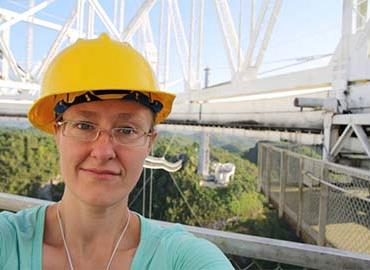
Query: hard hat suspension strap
(129,95)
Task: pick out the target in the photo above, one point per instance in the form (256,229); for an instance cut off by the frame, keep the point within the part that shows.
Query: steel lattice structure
(163,31)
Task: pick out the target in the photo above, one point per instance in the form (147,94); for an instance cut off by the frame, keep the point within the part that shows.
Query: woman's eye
(83,126)
(127,131)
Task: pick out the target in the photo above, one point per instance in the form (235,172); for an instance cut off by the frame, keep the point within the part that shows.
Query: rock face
(45,192)
(52,191)
(252,154)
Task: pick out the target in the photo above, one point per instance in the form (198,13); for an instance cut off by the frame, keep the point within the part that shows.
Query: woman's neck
(91,235)
(88,227)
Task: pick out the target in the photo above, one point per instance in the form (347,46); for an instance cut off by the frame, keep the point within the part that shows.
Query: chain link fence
(329,204)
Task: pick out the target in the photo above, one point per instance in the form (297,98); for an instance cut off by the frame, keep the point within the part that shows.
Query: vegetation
(306,150)
(190,203)
(28,159)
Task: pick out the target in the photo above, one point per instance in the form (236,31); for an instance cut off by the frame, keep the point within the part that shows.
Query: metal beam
(267,36)
(181,41)
(80,9)
(340,142)
(356,119)
(39,22)
(137,20)
(362,137)
(270,135)
(105,18)
(90,22)
(308,79)
(121,17)
(200,41)
(19,85)
(7,53)
(22,16)
(58,41)
(255,31)
(230,37)
(5,35)
(30,41)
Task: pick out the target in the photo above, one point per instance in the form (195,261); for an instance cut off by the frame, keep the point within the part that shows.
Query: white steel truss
(173,39)
(157,46)
(230,37)
(347,132)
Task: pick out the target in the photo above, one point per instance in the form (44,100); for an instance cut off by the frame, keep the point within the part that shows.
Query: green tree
(28,159)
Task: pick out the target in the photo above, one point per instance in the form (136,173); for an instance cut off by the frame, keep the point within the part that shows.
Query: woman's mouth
(101,173)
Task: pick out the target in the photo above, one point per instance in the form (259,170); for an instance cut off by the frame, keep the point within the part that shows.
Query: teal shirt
(172,248)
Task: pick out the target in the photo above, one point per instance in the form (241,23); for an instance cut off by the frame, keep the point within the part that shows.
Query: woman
(100,101)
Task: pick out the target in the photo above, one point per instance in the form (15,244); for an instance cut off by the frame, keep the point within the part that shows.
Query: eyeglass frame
(63,123)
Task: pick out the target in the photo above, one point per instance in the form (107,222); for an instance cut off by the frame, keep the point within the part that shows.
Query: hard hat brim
(42,114)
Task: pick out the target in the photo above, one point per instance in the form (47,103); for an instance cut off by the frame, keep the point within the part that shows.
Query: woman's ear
(56,134)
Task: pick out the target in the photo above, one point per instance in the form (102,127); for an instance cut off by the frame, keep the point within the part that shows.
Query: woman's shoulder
(18,230)
(170,235)
(179,247)
(160,230)
(21,221)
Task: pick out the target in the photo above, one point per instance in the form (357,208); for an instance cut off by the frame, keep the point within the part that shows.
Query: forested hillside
(211,207)
(27,160)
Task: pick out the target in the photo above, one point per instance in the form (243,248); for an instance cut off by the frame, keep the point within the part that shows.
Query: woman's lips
(101,172)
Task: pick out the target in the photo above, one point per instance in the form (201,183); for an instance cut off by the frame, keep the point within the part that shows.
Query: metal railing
(255,248)
(328,203)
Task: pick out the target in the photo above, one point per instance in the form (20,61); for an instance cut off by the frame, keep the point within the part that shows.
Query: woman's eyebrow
(87,114)
(129,116)
(124,116)
(120,117)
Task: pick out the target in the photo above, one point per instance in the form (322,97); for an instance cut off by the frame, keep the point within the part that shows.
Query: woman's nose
(103,146)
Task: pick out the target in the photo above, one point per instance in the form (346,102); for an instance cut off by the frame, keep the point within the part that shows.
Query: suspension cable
(151,189)
(300,61)
(169,145)
(186,201)
(144,191)
(139,193)
(150,193)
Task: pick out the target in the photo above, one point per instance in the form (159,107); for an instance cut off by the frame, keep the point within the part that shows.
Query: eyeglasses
(88,132)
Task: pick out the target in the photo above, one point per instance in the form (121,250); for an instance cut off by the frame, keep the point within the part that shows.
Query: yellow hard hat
(97,69)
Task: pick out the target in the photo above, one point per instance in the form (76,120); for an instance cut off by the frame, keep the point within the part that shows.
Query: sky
(303,28)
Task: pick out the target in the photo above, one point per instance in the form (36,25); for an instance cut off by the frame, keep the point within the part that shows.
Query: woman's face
(103,172)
